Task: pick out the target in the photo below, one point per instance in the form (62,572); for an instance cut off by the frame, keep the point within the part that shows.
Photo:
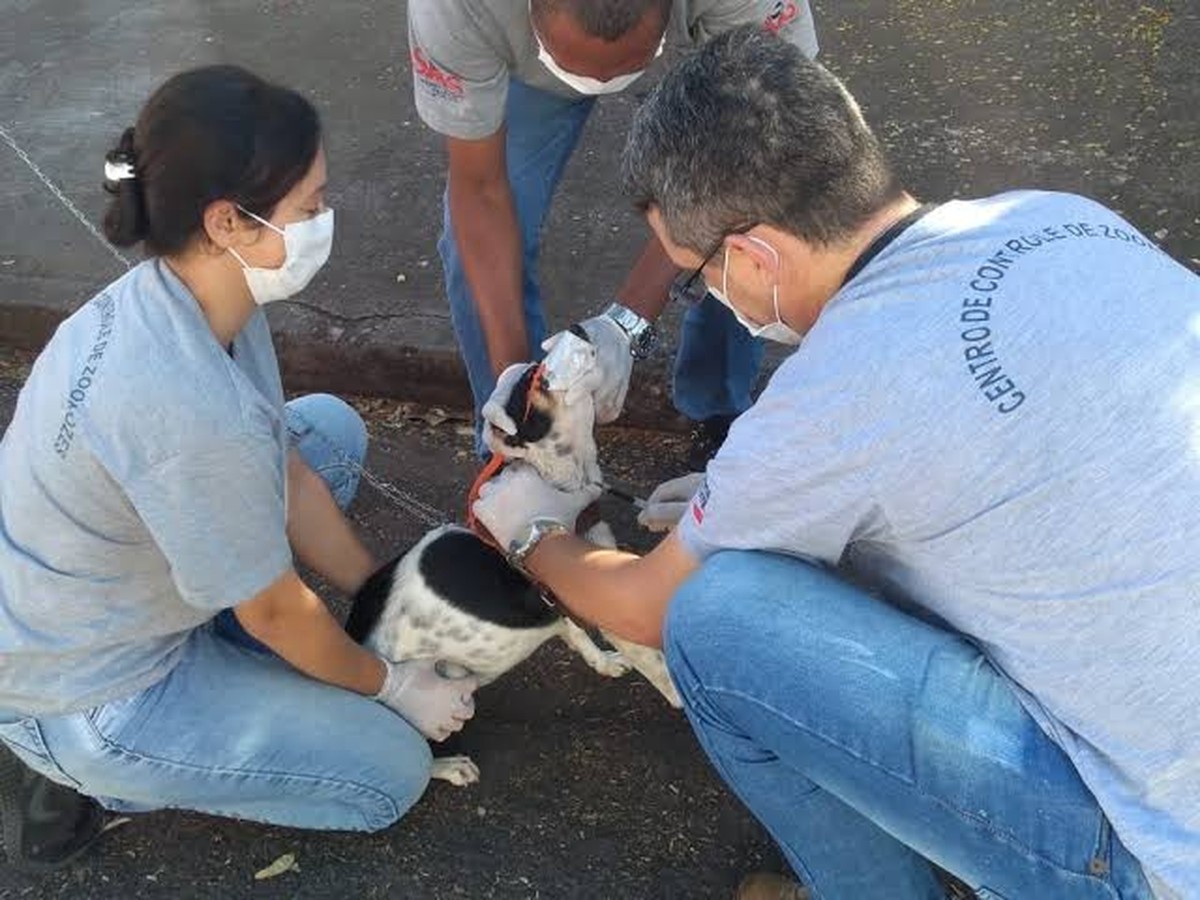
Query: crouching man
(935,599)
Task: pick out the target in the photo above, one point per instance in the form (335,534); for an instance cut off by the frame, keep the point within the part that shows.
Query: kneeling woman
(154,492)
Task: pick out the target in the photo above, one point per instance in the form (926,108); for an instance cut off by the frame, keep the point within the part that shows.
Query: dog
(453,597)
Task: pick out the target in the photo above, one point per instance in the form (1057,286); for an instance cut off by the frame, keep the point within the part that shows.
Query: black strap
(894,231)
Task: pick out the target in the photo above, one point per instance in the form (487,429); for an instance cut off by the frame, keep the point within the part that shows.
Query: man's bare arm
(486,230)
(621,592)
(647,288)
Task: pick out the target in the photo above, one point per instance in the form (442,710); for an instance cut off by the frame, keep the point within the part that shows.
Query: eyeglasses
(698,273)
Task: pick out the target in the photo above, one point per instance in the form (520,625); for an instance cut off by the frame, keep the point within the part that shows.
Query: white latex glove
(669,501)
(434,705)
(608,380)
(517,496)
(493,411)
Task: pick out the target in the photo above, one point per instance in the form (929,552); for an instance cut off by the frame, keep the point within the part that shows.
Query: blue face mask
(778,331)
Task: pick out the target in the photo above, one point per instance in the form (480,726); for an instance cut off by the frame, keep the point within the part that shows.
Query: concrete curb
(359,365)
(27,326)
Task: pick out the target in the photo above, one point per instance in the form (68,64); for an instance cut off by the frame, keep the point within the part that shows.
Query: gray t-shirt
(464,51)
(142,489)
(998,421)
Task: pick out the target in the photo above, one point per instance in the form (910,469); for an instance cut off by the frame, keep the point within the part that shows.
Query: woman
(157,648)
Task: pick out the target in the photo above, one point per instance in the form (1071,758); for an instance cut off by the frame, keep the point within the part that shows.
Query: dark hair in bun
(213,133)
(125,221)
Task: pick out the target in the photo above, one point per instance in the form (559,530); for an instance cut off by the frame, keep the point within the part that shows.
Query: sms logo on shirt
(699,502)
(436,80)
(782,15)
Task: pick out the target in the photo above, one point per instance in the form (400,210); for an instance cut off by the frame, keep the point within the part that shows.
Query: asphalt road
(971,97)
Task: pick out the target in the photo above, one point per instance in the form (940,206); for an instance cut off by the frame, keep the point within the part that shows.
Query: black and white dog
(453,597)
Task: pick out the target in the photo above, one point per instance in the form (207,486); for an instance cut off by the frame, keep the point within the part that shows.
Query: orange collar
(497,462)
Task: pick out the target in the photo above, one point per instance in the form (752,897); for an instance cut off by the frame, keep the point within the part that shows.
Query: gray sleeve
(218,514)
(790,19)
(460,84)
(792,477)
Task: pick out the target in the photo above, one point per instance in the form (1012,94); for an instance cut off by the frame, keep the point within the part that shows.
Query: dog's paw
(610,663)
(651,664)
(607,662)
(669,691)
(459,770)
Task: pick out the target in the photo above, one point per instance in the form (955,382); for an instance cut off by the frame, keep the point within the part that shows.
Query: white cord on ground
(62,198)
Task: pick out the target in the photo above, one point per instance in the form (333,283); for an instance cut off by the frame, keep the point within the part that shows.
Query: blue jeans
(717,361)
(869,742)
(235,732)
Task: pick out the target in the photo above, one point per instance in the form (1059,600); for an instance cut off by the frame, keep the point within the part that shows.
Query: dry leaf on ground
(285,863)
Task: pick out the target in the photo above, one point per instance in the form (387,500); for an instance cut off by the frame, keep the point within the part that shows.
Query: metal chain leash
(423,512)
(415,507)
(62,198)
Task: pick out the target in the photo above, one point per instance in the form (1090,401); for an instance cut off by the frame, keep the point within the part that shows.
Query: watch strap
(538,529)
(640,331)
(631,323)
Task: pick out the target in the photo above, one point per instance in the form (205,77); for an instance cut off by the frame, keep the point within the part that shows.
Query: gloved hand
(608,380)
(669,501)
(493,411)
(434,705)
(518,495)
(604,372)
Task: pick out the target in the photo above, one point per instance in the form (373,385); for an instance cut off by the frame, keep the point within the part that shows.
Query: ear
(518,399)
(536,425)
(224,226)
(757,254)
(530,412)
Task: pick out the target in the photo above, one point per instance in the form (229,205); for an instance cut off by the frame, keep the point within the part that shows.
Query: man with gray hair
(510,83)
(934,600)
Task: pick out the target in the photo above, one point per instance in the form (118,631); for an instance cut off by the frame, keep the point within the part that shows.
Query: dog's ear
(370,600)
(531,413)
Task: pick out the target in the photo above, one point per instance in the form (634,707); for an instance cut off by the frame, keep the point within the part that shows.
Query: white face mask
(307,245)
(582,83)
(778,331)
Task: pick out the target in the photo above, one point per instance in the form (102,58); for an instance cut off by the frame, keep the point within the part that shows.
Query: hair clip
(121,171)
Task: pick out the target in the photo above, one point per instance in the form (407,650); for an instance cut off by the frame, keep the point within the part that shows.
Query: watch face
(645,343)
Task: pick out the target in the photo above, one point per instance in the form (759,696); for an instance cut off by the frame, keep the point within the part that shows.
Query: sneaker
(769,886)
(707,436)
(46,826)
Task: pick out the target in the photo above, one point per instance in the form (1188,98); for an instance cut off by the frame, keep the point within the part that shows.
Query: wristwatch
(643,337)
(528,539)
